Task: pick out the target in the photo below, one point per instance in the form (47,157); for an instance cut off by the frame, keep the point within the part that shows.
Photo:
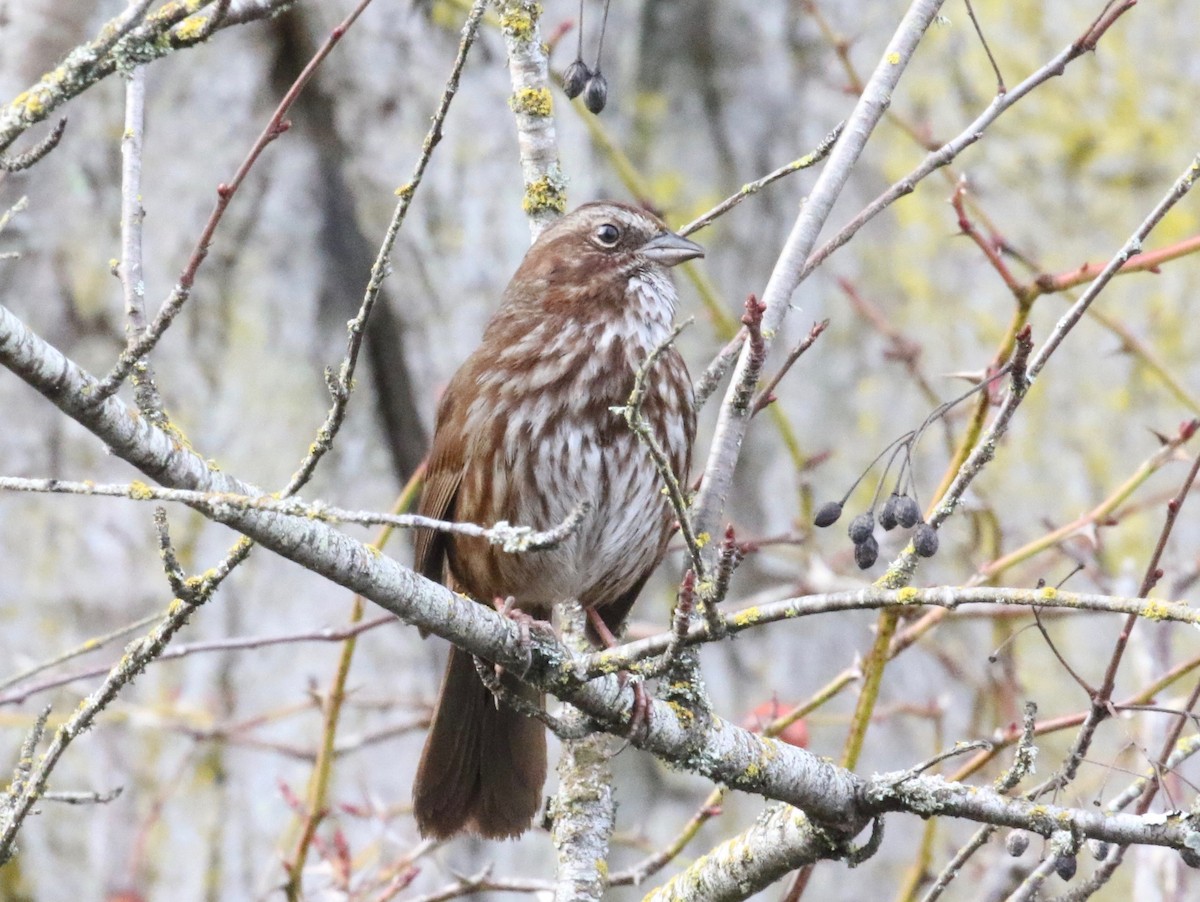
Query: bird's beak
(668,249)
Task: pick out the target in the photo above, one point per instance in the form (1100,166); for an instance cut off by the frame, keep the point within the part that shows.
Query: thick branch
(790,268)
(721,751)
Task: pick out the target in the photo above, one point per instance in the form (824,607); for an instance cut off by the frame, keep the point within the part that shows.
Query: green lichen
(532,102)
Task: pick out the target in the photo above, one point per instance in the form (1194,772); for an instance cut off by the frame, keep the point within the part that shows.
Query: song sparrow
(525,433)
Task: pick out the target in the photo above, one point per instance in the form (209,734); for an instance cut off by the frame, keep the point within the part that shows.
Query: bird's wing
(442,477)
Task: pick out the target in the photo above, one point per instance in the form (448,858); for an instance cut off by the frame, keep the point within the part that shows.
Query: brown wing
(442,477)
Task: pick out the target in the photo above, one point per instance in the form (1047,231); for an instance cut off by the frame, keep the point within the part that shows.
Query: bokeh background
(703,98)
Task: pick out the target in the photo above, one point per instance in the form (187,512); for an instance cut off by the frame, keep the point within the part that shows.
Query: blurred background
(213,749)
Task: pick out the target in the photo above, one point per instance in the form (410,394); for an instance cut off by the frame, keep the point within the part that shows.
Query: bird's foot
(639,714)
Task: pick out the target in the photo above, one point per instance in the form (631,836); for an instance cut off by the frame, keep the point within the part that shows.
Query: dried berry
(907,512)
(576,78)
(595,93)
(828,514)
(1017,843)
(925,540)
(1190,857)
(1066,866)
(866,553)
(887,515)
(1099,849)
(861,528)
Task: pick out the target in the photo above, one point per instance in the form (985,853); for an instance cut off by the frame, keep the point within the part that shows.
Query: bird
(525,432)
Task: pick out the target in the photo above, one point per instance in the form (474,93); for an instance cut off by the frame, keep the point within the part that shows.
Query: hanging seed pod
(575,79)
(595,93)
(828,514)
(1066,866)
(925,540)
(866,553)
(887,515)
(861,527)
(1016,843)
(907,512)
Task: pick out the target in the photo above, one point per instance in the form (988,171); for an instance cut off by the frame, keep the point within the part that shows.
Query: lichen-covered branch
(583,810)
(781,840)
(533,107)
(513,538)
(714,748)
(789,269)
(127,39)
(869,598)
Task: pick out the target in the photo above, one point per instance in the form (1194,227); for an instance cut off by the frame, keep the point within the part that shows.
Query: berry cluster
(580,78)
(901,508)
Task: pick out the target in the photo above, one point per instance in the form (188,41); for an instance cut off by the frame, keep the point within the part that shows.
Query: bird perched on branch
(525,433)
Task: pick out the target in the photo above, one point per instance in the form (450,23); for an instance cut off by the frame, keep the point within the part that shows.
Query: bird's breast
(546,438)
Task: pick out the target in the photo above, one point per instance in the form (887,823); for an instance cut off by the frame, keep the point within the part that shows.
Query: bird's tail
(483,767)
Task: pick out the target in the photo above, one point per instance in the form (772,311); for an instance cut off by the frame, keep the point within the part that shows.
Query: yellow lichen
(139,491)
(1156,610)
(32,103)
(544,194)
(907,595)
(191,28)
(520,21)
(748,617)
(532,102)
(683,714)
(1049,592)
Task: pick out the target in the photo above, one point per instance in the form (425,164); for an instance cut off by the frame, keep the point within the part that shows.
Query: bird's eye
(608,234)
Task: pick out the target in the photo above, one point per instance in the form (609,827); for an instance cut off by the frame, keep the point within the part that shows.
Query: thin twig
(632,412)
(703,387)
(341,384)
(767,393)
(1000,89)
(129,36)
(218,505)
(36,153)
(626,656)
(178,651)
(275,127)
(820,152)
